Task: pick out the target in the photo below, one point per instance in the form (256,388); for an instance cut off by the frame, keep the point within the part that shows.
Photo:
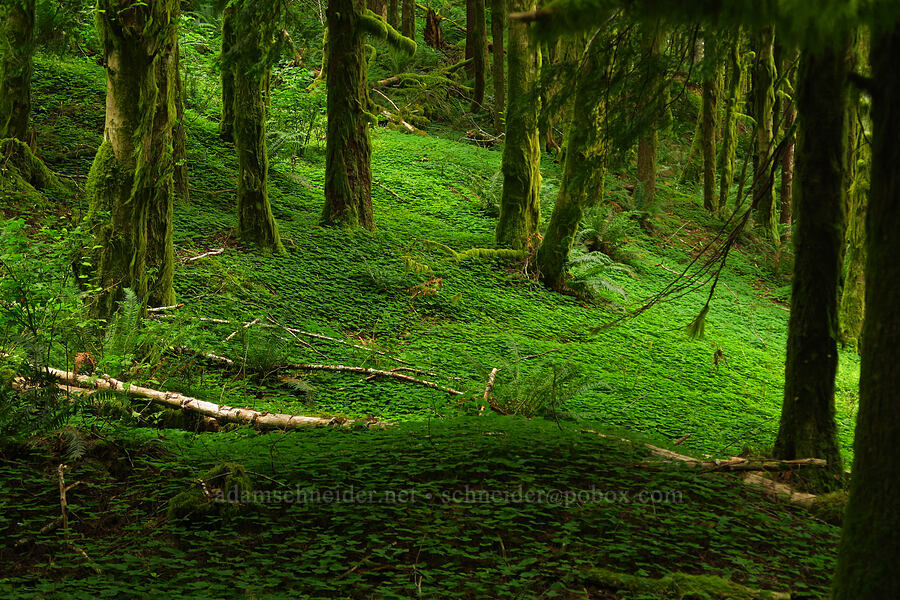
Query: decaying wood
(221,413)
(490,384)
(751,478)
(245,326)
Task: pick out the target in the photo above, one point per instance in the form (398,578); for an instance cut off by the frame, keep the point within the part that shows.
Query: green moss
(22,172)
(218,491)
(17,49)
(681,586)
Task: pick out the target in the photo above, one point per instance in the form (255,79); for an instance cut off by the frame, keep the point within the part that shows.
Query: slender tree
(870,547)
(179,144)
(130,180)
(476,49)
(408,18)
(498,24)
(520,208)
(807,427)
(348,148)
(393,16)
(17,47)
(859,158)
(729,124)
(255,25)
(584,164)
(226,124)
(648,143)
(712,86)
(763,104)
(785,198)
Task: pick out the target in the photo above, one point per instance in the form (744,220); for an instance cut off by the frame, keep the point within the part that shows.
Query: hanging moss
(520,208)
(17,49)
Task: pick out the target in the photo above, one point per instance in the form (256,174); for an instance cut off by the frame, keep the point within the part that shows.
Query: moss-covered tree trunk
(17,48)
(434,35)
(226,125)
(870,547)
(408,19)
(729,125)
(130,179)
(520,208)
(348,147)
(789,116)
(807,427)
(648,143)
(712,85)
(583,169)
(476,49)
(254,39)
(763,106)
(160,213)
(498,24)
(859,157)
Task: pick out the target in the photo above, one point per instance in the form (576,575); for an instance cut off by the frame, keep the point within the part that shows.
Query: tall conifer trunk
(520,208)
(255,27)
(647,144)
(17,48)
(763,106)
(129,178)
(498,24)
(180,134)
(729,125)
(583,169)
(226,125)
(870,546)
(348,149)
(807,427)
(476,49)
(712,84)
(408,18)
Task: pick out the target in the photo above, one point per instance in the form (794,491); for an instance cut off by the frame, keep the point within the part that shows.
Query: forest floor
(642,378)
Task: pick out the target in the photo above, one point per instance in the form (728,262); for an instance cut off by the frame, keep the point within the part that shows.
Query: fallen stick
(164,308)
(214,252)
(490,384)
(224,413)
(309,334)
(246,326)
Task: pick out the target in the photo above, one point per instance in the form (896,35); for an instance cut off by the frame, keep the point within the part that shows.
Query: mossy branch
(378,28)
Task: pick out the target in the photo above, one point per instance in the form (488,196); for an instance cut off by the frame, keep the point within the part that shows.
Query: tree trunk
(17,41)
(647,144)
(129,173)
(763,105)
(712,85)
(179,144)
(256,224)
(408,19)
(348,148)
(870,547)
(520,208)
(807,427)
(498,23)
(379,7)
(393,16)
(583,169)
(160,253)
(729,127)
(226,125)
(434,35)
(787,167)
(476,49)
(859,157)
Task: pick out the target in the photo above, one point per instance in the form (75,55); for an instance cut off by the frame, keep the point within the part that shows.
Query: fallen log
(752,478)
(222,413)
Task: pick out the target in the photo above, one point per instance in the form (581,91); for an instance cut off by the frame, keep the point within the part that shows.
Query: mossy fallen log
(679,585)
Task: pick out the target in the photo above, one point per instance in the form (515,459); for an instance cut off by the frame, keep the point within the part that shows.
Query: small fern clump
(589,276)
